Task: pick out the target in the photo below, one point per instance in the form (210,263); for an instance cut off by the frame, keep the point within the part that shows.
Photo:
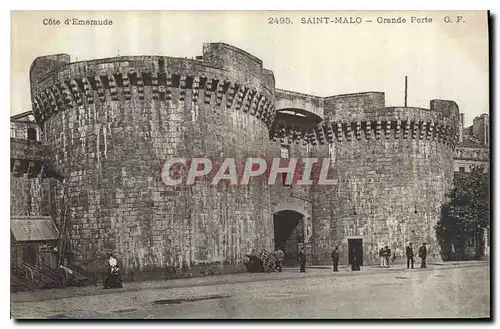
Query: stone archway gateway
(289,234)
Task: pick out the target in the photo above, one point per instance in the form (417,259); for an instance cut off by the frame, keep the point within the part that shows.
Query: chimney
(461,128)
(486,127)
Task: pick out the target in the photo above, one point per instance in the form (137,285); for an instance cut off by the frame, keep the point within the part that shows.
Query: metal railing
(46,277)
(24,275)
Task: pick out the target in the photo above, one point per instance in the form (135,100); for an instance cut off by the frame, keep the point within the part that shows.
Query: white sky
(447,61)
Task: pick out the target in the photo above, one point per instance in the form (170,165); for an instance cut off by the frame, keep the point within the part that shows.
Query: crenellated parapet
(360,117)
(229,78)
(346,132)
(214,91)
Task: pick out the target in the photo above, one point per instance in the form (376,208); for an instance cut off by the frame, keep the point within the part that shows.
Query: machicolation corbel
(368,130)
(430,132)
(126,87)
(329,133)
(388,125)
(415,127)
(230,95)
(75,90)
(348,132)
(240,95)
(398,129)
(378,129)
(220,93)
(100,89)
(406,129)
(140,86)
(196,88)
(339,131)
(423,130)
(208,91)
(182,87)
(87,89)
(112,88)
(168,86)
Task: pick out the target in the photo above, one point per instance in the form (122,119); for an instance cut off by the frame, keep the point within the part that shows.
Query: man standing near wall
(422,253)
(381,253)
(387,256)
(409,255)
(335,258)
(280,256)
(302,260)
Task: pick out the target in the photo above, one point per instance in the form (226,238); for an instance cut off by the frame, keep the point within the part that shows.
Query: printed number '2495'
(279,20)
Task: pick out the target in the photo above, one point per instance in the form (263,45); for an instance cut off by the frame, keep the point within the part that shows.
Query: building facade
(108,126)
(473,150)
(34,237)
(473,145)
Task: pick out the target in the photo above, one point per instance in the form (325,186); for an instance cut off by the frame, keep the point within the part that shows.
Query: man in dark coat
(387,256)
(381,253)
(335,258)
(302,260)
(409,255)
(422,253)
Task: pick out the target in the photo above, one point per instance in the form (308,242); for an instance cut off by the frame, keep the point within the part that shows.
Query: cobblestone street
(452,290)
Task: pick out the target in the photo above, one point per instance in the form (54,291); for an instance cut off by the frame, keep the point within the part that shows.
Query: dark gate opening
(30,255)
(355,247)
(289,234)
(32,134)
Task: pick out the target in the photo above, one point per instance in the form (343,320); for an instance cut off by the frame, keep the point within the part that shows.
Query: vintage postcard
(250,165)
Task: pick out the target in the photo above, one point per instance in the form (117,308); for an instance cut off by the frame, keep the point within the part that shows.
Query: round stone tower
(394,165)
(112,123)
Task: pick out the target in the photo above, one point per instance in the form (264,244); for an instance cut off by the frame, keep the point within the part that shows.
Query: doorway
(32,135)
(355,247)
(288,234)
(29,255)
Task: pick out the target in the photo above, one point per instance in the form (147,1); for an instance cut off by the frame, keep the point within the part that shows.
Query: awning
(33,229)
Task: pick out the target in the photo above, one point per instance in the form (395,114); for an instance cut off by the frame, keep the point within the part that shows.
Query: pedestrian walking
(382,257)
(280,256)
(302,260)
(422,253)
(409,255)
(335,258)
(387,255)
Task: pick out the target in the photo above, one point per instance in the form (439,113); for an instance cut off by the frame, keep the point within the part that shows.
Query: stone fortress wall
(111,123)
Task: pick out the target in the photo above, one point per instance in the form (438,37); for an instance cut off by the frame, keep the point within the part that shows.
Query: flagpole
(406,90)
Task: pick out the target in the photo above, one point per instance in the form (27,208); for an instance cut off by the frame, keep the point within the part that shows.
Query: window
(285,154)
(283,179)
(461,169)
(12,132)
(285,151)
(32,135)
